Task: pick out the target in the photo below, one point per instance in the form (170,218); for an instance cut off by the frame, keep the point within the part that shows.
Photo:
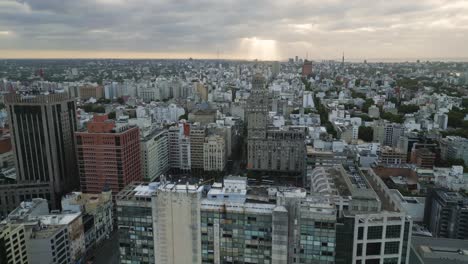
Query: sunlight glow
(261,49)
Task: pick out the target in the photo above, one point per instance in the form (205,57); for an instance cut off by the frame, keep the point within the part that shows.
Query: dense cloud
(236,28)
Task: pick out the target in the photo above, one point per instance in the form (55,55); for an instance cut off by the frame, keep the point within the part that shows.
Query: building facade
(42,131)
(214,153)
(108,155)
(154,154)
(278,150)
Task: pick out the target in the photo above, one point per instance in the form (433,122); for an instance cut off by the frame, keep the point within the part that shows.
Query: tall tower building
(257,109)
(42,137)
(270,149)
(108,155)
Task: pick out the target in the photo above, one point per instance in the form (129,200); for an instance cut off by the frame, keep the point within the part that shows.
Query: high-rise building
(109,155)
(179,147)
(154,154)
(42,131)
(197,139)
(446,214)
(167,217)
(352,217)
(214,153)
(275,68)
(307,68)
(13,244)
(271,149)
(134,212)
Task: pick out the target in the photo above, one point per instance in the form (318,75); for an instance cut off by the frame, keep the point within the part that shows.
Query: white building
(214,153)
(176,223)
(154,154)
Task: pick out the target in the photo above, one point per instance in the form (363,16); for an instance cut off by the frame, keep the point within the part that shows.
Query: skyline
(209,29)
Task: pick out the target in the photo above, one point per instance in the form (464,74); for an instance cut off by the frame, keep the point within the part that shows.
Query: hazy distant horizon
(240,29)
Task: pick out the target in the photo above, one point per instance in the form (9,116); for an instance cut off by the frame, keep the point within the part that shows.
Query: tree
(408,109)
(184,116)
(392,118)
(111,115)
(368,103)
(120,100)
(366,133)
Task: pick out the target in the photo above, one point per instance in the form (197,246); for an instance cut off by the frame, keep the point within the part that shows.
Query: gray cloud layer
(361,28)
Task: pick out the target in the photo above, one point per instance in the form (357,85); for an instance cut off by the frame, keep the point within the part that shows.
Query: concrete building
(374,112)
(446,214)
(197,140)
(306,68)
(168,216)
(49,244)
(430,250)
(49,155)
(13,244)
(91,91)
(387,134)
(97,213)
(109,155)
(214,153)
(454,147)
(389,155)
(134,212)
(11,195)
(441,120)
(179,147)
(154,154)
(279,150)
(176,221)
(202,116)
(371,227)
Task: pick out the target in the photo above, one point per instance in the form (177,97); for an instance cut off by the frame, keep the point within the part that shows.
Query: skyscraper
(42,137)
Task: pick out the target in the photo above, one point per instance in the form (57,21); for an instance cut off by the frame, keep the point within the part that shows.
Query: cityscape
(172,144)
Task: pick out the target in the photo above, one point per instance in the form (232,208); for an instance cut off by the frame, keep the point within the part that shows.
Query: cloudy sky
(248,29)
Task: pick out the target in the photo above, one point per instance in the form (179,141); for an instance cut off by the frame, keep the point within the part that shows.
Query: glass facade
(236,237)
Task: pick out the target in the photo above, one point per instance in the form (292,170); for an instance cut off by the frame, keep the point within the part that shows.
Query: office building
(307,68)
(430,250)
(154,154)
(42,132)
(214,153)
(197,140)
(13,244)
(179,147)
(446,214)
(135,223)
(271,149)
(109,155)
(49,244)
(372,226)
(166,216)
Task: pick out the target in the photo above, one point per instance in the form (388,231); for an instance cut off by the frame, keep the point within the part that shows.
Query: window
(393,231)
(374,232)
(373,249)
(392,247)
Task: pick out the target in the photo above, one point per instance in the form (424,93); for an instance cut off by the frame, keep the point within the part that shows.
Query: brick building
(108,155)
